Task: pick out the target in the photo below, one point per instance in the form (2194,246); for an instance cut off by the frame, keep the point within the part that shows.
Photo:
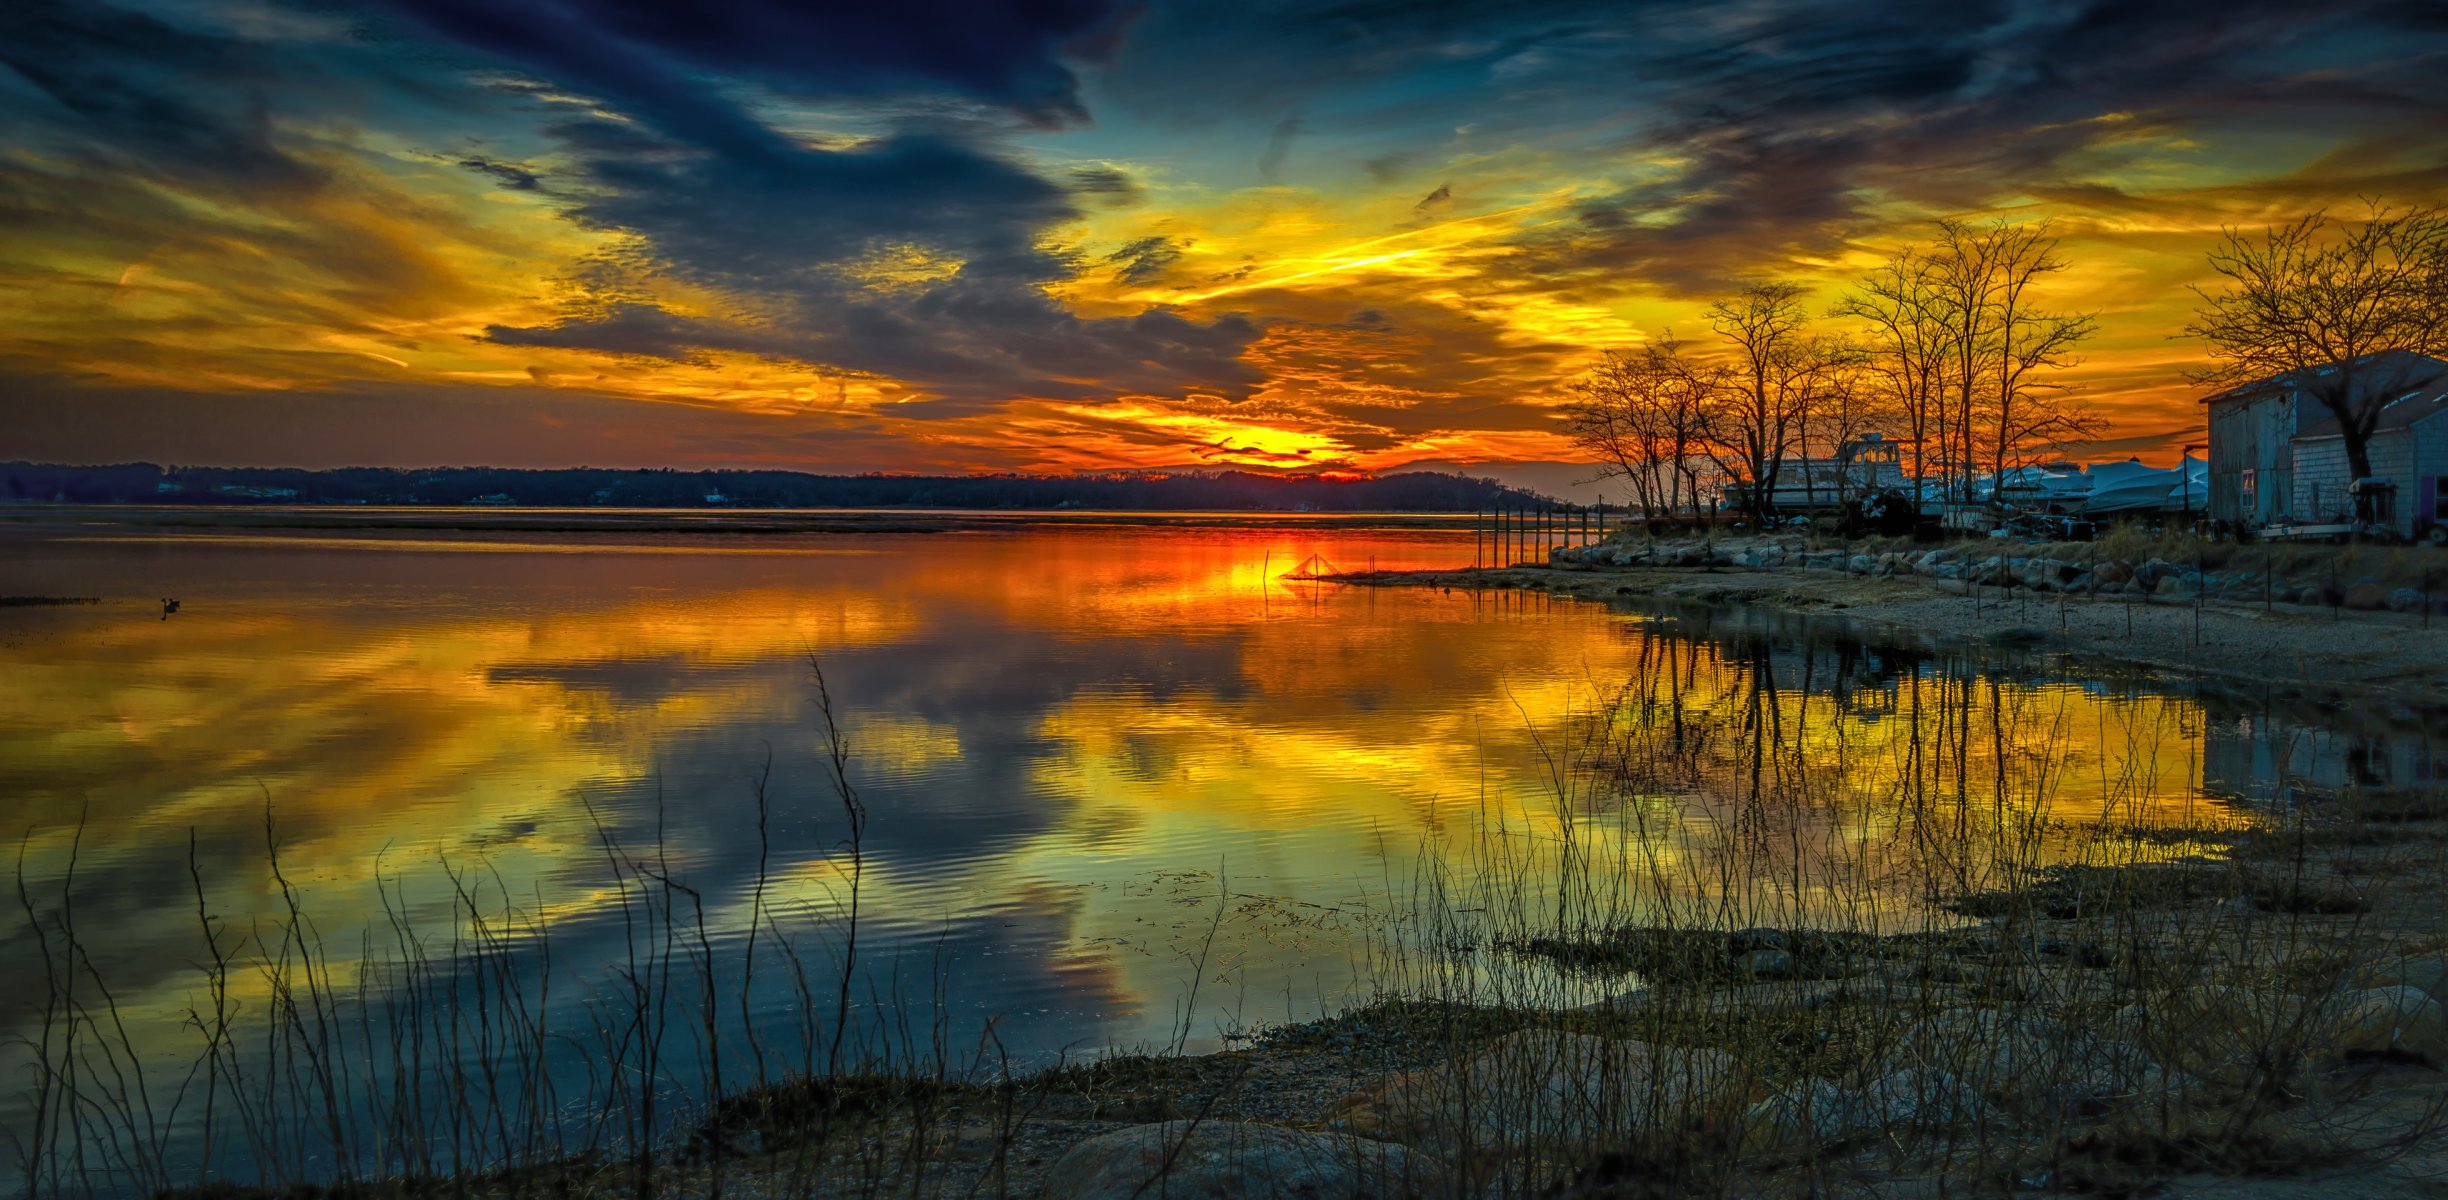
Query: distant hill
(1233,491)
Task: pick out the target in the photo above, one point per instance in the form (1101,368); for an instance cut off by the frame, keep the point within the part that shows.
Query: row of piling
(1517,537)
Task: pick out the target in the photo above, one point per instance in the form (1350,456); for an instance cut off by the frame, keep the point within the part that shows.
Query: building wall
(2321,477)
(2253,433)
(2429,440)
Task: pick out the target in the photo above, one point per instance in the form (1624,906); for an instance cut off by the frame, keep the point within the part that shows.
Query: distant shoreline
(439,518)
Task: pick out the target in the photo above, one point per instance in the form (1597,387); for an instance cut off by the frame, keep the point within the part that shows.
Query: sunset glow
(1100,236)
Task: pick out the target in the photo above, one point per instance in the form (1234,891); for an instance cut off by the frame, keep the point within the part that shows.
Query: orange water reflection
(1079,746)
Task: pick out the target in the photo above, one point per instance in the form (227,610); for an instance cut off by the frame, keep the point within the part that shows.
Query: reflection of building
(2266,757)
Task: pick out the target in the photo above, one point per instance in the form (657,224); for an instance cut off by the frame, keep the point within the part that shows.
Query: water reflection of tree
(1831,769)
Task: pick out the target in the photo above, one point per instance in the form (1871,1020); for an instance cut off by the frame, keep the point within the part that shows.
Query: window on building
(2252,491)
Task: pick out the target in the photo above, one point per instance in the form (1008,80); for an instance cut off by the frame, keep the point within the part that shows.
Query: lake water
(1125,785)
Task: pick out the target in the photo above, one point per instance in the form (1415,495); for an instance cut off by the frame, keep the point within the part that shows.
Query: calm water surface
(1125,783)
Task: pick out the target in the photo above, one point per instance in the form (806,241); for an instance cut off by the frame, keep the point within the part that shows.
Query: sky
(1065,235)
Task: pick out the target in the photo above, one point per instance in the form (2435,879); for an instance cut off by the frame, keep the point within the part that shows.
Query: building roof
(2416,404)
(2404,363)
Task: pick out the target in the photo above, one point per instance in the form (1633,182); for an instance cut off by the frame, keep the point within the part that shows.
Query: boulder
(2311,595)
(2365,597)
(1768,962)
(1545,1088)
(2407,599)
(2430,973)
(2112,572)
(2392,1020)
(2236,1037)
(1227,1160)
(2029,1063)
(1818,1112)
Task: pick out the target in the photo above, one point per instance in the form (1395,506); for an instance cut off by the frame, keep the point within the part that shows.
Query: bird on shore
(168,606)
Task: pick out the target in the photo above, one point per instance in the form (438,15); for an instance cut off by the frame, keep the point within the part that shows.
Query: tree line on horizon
(578,487)
(1947,349)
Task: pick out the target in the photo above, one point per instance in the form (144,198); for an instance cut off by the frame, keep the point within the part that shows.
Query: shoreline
(2294,650)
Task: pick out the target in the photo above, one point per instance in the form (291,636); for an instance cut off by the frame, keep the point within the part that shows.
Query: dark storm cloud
(641,51)
(1106,186)
(641,331)
(124,92)
(513,176)
(721,199)
(1796,122)
(1146,260)
(784,233)
(1788,123)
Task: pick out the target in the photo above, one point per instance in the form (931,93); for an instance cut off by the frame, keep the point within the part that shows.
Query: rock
(2430,974)
(2365,597)
(2406,599)
(1769,963)
(2393,1020)
(2112,572)
(2081,954)
(2028,1063)
(1547,1088)
(1821,1113)
(2236,1037)
(1226,1160)
(1860,564)
(2312,596)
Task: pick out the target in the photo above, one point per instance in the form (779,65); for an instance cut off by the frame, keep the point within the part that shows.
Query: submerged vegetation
(1745,949)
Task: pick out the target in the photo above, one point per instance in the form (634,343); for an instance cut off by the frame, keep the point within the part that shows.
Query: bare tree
(2327,302)
(1904,341)
(1848,403)
(1643,414)
(2028,409)
(1613,417)
(1764,324)
(1967,353)
(1962,292)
